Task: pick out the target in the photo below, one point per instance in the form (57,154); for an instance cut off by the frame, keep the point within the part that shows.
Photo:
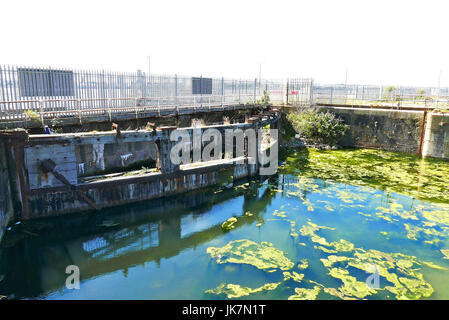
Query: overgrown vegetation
(421,95)
(391,95)
(33,116)
(318,127)
(265,99)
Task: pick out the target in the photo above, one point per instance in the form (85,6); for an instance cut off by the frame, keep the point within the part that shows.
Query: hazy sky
(388,42)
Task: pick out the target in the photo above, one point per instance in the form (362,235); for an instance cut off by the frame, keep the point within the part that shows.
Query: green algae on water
(433,265)
(229,224)
(305,294)
(395,209)
(425,179)
(320,264)
(341,245)
(303,264)
(446,253)
(435,213)
(413,232)
(262,256)
(293,275)
(237,291)
(351,286)
(397,269)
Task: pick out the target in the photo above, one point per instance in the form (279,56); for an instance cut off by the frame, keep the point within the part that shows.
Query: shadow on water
(35,254)
(298,158)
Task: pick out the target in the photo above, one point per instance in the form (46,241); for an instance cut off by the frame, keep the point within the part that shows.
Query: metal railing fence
(381,95)
(49,92)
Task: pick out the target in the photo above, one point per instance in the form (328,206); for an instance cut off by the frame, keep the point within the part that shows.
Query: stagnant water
(329,223)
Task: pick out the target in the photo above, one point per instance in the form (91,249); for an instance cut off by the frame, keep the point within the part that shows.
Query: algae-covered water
(343,224)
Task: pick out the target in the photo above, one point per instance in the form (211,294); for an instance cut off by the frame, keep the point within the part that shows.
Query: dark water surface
(318,230)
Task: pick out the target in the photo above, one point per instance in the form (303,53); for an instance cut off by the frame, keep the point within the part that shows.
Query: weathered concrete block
(436,139)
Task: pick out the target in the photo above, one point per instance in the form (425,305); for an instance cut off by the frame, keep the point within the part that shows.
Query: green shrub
(389,94)
(318,127)
(265,99)
(33,116)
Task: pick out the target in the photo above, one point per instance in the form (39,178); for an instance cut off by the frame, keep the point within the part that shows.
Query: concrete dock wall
(102,169)
(6,204)
(436,138)
(390,130)
(396,130)
(113,192)
(116,192)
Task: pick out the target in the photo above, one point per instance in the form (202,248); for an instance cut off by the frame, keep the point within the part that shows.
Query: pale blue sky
(388,42)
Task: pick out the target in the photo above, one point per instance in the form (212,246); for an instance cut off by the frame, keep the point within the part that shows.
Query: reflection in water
(327,216)
(37,253)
